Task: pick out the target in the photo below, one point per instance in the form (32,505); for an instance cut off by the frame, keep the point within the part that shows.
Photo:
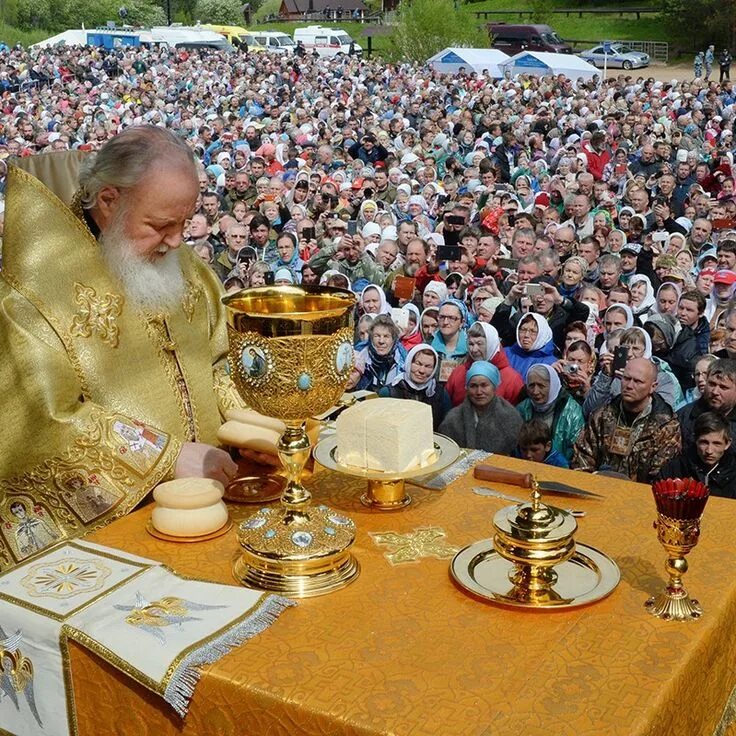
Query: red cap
(725,277)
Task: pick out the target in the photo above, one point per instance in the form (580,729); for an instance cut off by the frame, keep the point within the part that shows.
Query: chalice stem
(294,449)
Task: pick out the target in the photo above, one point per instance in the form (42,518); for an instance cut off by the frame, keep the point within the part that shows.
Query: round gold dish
(587,576)
(386,491)
(254,489)
(224,529)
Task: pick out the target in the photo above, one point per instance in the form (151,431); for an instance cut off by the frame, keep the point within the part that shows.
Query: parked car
(512,39)
(327,42)
(275,42)
(620,57)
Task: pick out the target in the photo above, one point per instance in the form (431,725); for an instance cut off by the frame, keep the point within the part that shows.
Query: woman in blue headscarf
(484,421)
(450,340)
(418,382)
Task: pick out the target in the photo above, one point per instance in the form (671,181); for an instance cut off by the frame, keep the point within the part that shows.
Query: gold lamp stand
(290,357)
(678,537)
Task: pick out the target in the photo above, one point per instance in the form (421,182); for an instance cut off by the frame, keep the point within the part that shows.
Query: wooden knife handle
(501,475)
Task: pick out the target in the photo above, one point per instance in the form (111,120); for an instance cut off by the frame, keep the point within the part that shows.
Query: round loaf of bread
(188,493)
(249,437)
(189,522)
(247,416)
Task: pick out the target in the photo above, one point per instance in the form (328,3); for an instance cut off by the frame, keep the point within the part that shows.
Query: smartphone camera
(269,277)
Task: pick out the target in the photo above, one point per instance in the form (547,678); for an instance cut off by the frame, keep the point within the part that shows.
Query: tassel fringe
(181,687)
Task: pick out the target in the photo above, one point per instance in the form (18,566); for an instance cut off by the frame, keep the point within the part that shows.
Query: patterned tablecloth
(403,651)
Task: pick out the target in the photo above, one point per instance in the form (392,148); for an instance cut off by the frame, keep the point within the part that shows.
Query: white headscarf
(647,343)
(554,385)
(430,386)
(650,300)
(543,336)
(383,305)
(439,288)
(626,309)
(415,311)
(493,342)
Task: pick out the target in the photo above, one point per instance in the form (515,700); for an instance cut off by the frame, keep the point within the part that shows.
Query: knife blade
(479,491)
(524,480)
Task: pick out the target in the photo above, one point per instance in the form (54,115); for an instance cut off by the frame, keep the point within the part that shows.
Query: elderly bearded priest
(113,342)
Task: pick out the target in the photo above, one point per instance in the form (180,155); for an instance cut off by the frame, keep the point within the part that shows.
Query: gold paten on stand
(291,355)
(387,490)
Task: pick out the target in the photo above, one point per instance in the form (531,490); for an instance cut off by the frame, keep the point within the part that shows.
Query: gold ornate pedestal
(291,354)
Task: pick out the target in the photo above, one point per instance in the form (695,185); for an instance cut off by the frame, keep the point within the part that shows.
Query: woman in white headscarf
(435,292)
(550,402)
(485,344)
(373,300)
(411,336)
(419,382)
(534,344)
(643,299)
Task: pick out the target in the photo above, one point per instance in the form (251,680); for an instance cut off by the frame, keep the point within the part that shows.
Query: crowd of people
(549,263)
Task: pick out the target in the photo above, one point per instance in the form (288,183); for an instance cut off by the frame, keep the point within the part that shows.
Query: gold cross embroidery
(189,300)
(96,315)
(412,546)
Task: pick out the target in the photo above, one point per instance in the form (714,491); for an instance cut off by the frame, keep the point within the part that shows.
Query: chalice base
(386,495)
(674,605)
(298,552)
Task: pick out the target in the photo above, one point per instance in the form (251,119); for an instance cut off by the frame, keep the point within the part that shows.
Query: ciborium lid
(535,521)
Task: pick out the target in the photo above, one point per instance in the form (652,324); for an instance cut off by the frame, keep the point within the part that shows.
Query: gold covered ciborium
(534,562)
(291,354)
(680,504)
(535,538)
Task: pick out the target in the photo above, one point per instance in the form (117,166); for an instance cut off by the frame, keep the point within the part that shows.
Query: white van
(326,41)
(189,37)
(274,42)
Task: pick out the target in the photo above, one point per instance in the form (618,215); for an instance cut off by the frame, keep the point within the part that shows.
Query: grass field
(589,27)
(12,35)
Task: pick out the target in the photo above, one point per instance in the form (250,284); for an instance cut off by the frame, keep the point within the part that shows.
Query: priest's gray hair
(125,160)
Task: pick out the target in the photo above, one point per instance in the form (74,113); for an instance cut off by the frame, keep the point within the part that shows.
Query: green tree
(225,12)
(62,14)
(9,12)
(697,24)
(425,27)
(34,13)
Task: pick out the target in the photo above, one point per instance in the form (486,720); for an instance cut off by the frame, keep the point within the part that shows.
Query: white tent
(542,64)
(449,61)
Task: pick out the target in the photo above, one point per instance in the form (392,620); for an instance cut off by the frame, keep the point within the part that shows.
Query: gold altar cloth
(403,651)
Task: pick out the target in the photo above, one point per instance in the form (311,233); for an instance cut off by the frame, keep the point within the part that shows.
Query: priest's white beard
(150,285)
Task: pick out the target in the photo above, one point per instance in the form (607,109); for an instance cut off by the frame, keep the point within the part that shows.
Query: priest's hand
(261,458)
(198,460)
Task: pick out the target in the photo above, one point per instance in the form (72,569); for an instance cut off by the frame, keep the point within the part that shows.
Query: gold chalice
(291,354)
(680,505)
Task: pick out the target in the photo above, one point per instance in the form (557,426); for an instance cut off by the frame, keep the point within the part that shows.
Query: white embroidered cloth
(135,613)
